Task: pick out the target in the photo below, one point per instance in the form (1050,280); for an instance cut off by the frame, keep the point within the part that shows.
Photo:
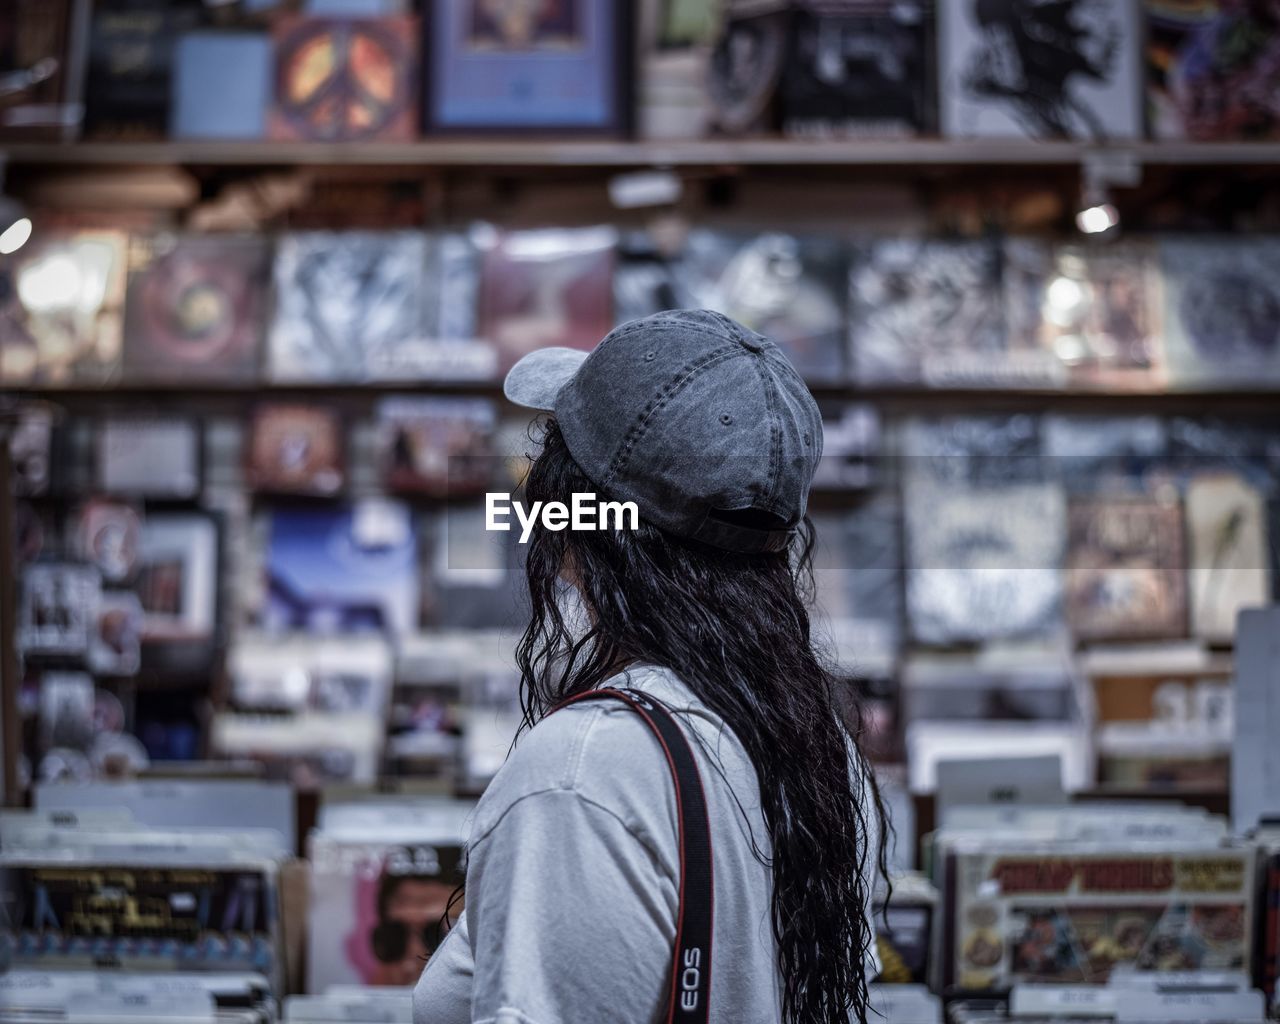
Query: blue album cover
(342,569)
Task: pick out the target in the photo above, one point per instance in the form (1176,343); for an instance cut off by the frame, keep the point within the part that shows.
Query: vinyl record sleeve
(1095,311)
(128,89)
(31,449)
(1063,70)
(545,287)
(861,70)
(296,449)
(376,907)
(790,288)
(142,914)
(35,31)
(1212,70)
(984,562)
(63,323)
(344,302)
(346,79)
(58,608)
(931,312)
(148,457)
(1229,567)
(178,577)
(443,447)
(196,308)
(746,69)
(1026,915)
(1222,311)
(1126,569)
(345,569)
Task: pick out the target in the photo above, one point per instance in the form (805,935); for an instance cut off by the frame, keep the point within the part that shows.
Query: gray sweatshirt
(573,877)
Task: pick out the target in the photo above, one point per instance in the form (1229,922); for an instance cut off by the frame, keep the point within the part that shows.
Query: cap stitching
(775,440)
(658,401)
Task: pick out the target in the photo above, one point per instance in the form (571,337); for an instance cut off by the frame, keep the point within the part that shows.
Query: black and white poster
(1040,69)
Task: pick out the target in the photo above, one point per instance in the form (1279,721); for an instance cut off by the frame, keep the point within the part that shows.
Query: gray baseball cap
(701,422)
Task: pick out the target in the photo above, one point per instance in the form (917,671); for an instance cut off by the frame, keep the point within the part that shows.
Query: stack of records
(1075,896)
(84,893)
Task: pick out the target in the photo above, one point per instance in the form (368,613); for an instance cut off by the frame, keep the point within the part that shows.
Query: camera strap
(691,962)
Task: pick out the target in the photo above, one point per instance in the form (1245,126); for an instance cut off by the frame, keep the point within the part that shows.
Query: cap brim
(536,379)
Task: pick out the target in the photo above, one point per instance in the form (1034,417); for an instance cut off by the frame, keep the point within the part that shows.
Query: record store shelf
(908,398)
(610,153)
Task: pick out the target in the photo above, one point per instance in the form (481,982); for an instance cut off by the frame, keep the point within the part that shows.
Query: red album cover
(196,308)
(546,287)
(346,79)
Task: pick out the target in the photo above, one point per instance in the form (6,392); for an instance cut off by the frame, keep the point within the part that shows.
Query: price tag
(1062,1000)
(1144,1007)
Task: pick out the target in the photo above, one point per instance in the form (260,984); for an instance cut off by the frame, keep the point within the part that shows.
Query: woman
(573,878)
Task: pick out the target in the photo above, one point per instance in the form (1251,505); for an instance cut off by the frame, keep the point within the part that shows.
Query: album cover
(492,718)
(178,578)
(140,914)
(984,563)
(128,88)
(1094,310)
(149,457)
(62,320)
(1211,70)
(746,71)
(1229,564)
(296,449)
(1024,915)
(646,278)
(443,447)
(106,536)
(40,39)
(1105,454)
(471,577)
(30,451)
(1249,448)
(904,937)
(857,565)
(346,79)
(1222,311)
(344,302)
(345,569)
(222,85)
(850,448)
(115,648)
(348,676)
(860,70)
(1063,70)
(789,288)
(309,751)
(977,451)
(545,287)
(377,907)
(59,605)
(556,67)
(1126,569)
(196,308)
(66,710)
(929,312)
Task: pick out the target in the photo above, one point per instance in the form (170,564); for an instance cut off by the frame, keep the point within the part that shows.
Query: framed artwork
(528,66)
(177,585)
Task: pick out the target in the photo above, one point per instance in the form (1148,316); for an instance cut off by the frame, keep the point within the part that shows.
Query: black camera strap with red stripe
(691,964)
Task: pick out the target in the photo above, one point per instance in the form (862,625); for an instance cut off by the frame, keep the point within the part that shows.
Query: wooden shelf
(1254,402)
(492,153)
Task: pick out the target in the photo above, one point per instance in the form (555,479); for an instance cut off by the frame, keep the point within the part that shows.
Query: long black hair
(735,629)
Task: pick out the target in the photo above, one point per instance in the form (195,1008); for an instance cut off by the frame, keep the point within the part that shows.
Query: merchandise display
(264,267)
